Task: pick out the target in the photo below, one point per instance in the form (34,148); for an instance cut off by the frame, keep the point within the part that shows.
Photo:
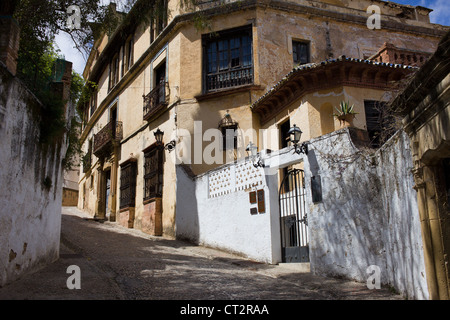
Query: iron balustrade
(155,100)
(229,78)
(109,135)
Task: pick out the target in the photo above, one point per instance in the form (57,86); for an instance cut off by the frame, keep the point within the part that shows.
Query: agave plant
(344,109)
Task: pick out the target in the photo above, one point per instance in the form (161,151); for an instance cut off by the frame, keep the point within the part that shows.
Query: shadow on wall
(186,209)
(368,213)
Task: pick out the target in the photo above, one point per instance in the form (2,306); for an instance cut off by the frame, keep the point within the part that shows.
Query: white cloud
(441,11)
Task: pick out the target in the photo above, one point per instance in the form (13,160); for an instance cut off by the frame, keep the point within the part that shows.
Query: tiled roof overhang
(328,74)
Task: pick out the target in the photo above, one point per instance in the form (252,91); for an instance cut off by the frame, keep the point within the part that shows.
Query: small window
(228,128)
(130,53)
(229,136)
(113,72)
(300,52)
(93,103)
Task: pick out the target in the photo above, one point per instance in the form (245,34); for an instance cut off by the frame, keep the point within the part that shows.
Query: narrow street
(126,264)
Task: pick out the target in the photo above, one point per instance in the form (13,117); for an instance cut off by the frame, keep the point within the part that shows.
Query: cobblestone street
(126,264)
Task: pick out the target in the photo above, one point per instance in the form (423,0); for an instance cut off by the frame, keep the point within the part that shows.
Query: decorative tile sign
(241,176)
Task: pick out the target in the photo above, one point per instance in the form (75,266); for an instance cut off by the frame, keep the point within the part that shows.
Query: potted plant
(345,114)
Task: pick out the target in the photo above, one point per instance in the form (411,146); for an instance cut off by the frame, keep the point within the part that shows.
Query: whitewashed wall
(30,212)
(214,210)
(368,214)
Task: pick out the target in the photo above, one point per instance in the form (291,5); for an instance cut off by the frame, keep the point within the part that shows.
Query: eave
(328,74)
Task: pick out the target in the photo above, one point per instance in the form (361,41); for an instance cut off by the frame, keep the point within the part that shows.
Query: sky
(440,15)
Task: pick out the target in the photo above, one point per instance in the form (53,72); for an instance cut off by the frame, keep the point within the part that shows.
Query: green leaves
(344,109)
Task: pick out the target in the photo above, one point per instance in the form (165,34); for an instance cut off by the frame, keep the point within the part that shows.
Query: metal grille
(128,173)
(153,173)
(293,218)
(111,133)
(155,100)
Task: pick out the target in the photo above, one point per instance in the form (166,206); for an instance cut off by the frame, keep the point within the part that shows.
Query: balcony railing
(229,79)
(107,137)
(155,100)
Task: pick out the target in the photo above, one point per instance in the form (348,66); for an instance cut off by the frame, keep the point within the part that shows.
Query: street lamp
(294,135)
(252,151)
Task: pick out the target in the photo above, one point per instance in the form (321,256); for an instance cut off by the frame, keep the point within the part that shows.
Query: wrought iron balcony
(229,79)
(155,101)
(109,136)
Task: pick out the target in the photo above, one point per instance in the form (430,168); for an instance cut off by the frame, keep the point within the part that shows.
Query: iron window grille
(228,59)
(128,172)
(153,172)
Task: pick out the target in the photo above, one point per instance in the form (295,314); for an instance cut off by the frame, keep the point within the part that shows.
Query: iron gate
(293,218)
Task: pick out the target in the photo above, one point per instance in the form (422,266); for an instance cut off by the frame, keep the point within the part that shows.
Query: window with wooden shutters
(300,52)
(128,172)
(153,172)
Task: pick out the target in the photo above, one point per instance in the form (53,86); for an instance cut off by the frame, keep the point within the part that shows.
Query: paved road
(126,264)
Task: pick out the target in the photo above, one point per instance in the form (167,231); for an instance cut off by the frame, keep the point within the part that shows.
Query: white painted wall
(30,214)
(222,219)
(368,214)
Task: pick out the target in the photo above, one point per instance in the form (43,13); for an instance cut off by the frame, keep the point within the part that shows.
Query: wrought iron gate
(293,218)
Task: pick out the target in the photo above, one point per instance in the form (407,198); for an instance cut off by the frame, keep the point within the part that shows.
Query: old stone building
(177,98)
(183,79)
(425,107)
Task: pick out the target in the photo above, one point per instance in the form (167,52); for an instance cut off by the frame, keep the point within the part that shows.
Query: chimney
(9,36)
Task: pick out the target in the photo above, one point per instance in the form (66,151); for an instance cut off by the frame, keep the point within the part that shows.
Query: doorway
(293,218)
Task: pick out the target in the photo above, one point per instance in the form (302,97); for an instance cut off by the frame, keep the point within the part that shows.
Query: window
(153,172)
(380,124)
(229,137)
(93,103)
(113,72)
(228,59)
(159,21)
(130,54)
(300,52)
(128,172)
(228,127)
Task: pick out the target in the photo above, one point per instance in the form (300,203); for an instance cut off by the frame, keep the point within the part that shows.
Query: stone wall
(368,214)
(31,180)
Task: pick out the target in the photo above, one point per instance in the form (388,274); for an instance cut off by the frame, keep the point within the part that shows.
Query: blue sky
(440,15)
(441,9)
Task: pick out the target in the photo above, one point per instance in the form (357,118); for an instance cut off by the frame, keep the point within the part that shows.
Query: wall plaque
(261,202)
(252,197)
(316,189)
(253,210)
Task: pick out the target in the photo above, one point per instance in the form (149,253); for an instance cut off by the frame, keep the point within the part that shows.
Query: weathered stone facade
(425,107)
(176,51)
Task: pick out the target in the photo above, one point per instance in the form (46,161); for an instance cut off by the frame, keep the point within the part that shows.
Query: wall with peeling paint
(368,214)
(31,180)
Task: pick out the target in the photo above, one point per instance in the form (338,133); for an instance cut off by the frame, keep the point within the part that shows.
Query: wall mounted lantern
(295,134)
(252,151)
(158,136)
